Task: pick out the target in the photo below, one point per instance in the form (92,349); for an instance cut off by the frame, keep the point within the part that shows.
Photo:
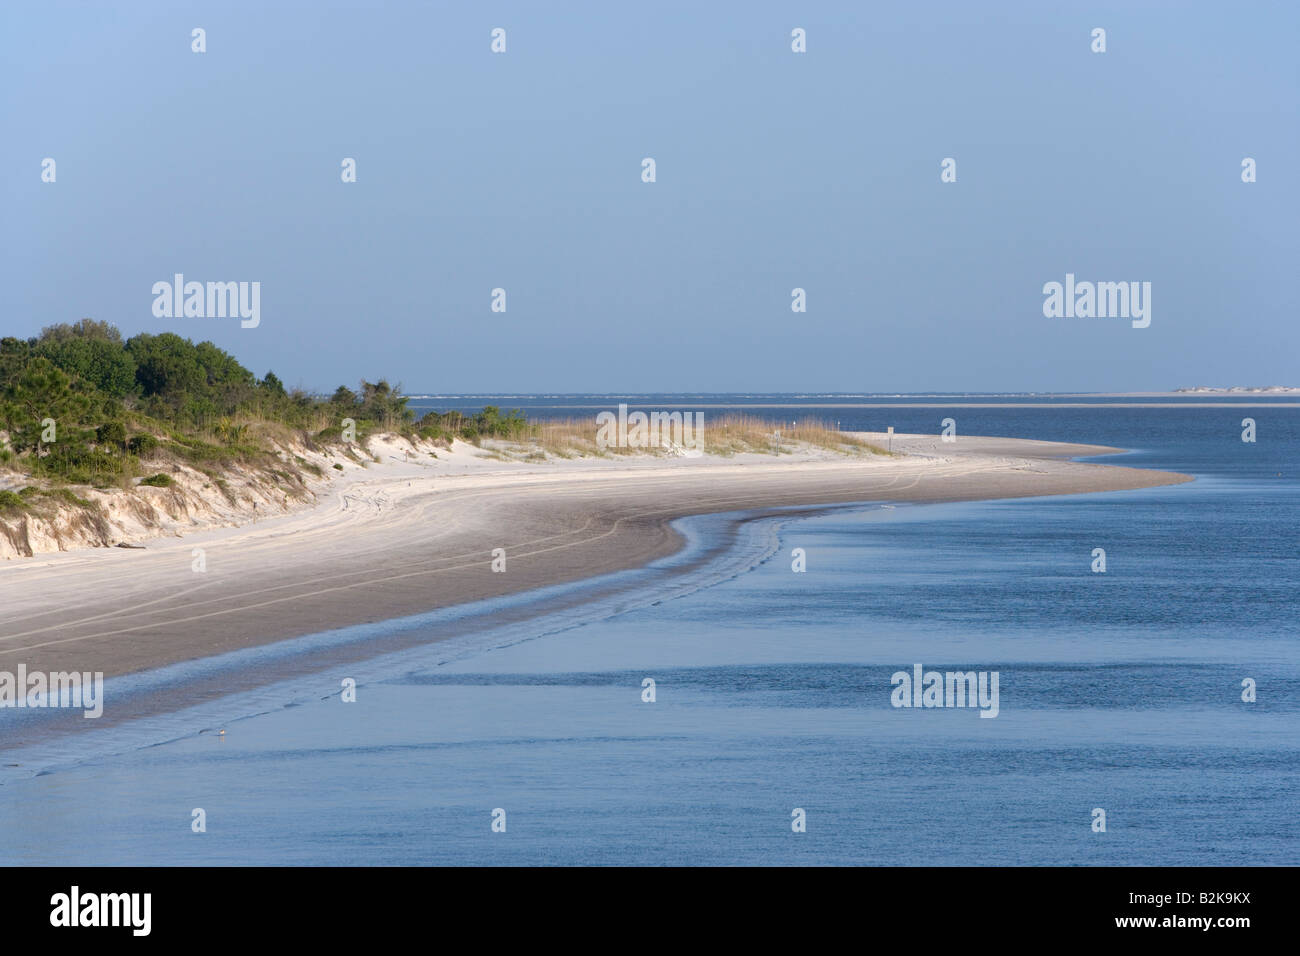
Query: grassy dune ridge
(723,435)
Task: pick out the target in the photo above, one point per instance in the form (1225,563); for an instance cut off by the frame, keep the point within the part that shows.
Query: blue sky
(775,170)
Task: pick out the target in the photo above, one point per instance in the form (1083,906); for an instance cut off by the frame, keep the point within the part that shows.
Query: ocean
(1119,691)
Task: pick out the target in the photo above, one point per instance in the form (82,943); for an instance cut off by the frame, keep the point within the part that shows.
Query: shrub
(158,481)
(143,444)
(113,433)
(72,461)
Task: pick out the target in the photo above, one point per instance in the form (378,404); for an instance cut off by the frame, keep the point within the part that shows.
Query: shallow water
(1119,691)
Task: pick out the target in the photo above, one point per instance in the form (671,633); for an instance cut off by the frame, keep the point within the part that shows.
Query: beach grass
(724,435)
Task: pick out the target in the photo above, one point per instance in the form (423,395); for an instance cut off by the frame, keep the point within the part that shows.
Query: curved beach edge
(401,543)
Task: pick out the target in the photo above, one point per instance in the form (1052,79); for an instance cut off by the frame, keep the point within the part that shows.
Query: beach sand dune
(412,538)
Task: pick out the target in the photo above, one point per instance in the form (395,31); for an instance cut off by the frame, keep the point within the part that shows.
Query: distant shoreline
(953,404)
(811,397)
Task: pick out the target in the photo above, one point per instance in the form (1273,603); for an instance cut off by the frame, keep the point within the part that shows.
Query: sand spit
(412,533)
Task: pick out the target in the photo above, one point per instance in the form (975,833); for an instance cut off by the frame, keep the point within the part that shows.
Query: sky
(774,170)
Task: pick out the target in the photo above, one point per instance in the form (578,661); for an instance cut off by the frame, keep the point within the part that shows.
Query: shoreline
(179,700)
(388,549)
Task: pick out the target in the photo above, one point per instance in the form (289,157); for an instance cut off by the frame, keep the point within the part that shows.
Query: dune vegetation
(82,408)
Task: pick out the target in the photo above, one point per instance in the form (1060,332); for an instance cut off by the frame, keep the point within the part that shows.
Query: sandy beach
(406,538)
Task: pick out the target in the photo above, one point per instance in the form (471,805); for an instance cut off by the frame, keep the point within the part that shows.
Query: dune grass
(723,435)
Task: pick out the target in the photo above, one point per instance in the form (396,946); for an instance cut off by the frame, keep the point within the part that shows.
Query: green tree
(39,391)
(91,351)
(166,366)
(272,384)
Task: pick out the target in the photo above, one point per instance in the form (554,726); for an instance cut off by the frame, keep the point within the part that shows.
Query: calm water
(1119,690)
